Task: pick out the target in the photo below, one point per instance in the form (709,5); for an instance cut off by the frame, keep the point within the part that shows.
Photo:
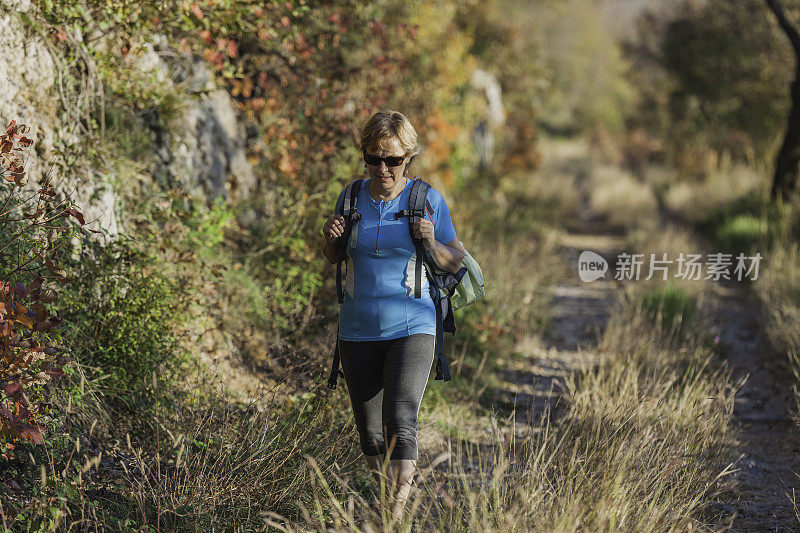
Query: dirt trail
(768,440)
(534,383)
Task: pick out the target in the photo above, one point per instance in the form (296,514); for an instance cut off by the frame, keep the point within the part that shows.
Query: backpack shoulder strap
(416,210)
(351,196)
(349,211)
(417,205)
(417,202)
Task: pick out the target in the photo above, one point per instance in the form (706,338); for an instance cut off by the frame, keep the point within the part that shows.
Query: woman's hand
(423,229)
(447,256)
(334,227)
(332,230)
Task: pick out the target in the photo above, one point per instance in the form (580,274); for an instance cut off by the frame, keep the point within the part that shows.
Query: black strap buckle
(409,213)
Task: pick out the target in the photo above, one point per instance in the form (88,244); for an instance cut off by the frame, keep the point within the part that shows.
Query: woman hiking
(386,335)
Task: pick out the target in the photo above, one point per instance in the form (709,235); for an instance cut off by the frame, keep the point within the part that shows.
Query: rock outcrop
(201,148)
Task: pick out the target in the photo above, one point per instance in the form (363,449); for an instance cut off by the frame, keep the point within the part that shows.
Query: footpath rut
(766,482)
(534,385)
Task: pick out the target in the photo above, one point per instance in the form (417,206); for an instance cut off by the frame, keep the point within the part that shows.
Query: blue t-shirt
(378,287)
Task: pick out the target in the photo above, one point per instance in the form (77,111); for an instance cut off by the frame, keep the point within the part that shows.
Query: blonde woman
(386,335)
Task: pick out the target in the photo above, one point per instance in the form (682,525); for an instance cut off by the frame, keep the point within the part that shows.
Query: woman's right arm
(331,231)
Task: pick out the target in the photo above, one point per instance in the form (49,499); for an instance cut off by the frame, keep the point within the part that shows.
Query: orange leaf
(233,50)
(196,11)
(31,432)
(22,319)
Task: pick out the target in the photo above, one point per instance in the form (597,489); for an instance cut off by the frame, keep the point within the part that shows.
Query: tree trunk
(788,160)
(786,164)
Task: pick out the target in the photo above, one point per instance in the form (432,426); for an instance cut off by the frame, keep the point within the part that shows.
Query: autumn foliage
(35,227)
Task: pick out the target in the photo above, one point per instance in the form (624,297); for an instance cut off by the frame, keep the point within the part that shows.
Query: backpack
(448,291)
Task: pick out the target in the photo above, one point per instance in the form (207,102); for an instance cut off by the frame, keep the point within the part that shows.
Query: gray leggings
(386,380)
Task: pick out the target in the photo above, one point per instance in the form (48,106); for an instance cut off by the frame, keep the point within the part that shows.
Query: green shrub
(121,317)
(748,224)
(670,305)
(206,226)
(742,233)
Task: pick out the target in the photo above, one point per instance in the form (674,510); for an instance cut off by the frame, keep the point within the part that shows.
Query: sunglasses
(391,161)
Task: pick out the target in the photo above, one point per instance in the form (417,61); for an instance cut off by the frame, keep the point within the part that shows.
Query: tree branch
(788,28)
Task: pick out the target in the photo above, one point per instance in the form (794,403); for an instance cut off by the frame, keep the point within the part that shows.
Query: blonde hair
(385,125)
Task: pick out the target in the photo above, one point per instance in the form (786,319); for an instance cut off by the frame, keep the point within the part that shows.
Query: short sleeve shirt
(378,287)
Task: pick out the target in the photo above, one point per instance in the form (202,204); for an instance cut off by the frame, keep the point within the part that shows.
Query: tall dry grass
(722,186)
(778,287)
(188,465)
(623,200)
(640,447)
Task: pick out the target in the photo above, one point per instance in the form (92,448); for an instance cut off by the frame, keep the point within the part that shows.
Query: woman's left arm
(447,256)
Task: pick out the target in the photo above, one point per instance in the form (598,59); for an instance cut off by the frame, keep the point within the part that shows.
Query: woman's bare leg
(401,474)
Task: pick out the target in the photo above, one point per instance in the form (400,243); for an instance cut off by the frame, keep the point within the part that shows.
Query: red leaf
(22,409)
(11,127)
(12,389)
(77,214)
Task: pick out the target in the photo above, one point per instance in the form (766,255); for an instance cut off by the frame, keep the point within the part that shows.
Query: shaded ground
(769,440)
(534,381)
